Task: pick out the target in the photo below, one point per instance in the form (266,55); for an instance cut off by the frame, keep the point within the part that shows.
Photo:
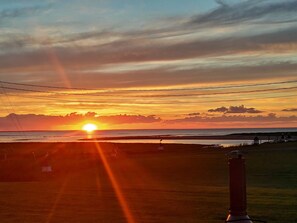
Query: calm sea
(72,136)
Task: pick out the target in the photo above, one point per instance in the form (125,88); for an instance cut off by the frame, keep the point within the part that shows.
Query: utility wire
(172,95)
(221,93)
(42,86)
(144,90)
(14,119)
(57,99)
(210,88)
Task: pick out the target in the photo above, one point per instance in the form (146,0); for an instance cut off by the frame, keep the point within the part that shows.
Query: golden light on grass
(116,185)
(90,127)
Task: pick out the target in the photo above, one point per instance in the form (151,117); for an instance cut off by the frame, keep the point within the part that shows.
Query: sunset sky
(148,64)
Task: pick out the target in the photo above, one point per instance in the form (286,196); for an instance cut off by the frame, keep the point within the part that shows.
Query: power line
(41,91)
(42,86)
(144,90)
(220,93)
(9,112)
(14,119)
(57,99)
(212,88)
(48,92)
(172,95)
(23,89)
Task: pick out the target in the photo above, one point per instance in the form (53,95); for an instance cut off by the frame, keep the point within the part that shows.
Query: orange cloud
(235,109)
(14,122)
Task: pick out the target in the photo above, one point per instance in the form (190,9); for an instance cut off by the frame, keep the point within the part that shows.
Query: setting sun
(89,127)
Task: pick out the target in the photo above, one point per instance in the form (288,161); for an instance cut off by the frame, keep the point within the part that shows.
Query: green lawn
(181,184)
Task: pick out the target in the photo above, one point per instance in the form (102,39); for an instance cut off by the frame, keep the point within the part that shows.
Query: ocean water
(72,136)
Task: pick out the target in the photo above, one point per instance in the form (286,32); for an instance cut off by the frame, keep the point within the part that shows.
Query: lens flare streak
(120,196)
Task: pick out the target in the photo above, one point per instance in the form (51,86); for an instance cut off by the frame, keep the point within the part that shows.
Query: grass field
(183,183)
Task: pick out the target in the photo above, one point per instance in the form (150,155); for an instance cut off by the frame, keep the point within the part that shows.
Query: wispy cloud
(235,109)
(247,11)
(271,118)
(290,110)
(120,119)
(157,51)
(194,114)
(20,122)
(242,42)
(16,12)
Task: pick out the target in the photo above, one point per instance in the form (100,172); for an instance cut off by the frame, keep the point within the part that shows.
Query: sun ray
(116,187)
(58,67)
(58,198)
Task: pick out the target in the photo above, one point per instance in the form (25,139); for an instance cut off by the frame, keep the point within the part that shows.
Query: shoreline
(229,140)
(175,137)
(235,136)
